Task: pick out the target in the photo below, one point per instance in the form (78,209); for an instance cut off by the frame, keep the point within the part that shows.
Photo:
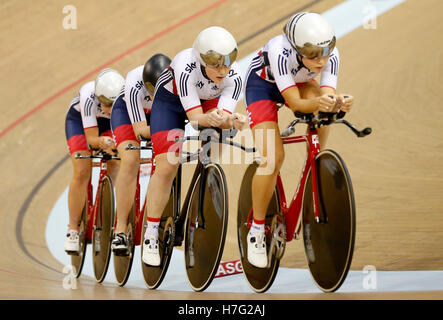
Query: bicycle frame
(93,206)
(292,212)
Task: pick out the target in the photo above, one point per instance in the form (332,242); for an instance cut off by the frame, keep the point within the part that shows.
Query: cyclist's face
(315,64)
(106,109)
(217,74)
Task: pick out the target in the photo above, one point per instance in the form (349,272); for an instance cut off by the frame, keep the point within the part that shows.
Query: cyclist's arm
(139,124)
(329,75)
(230,95)
(92,137)
(285,82)
(189,97)
(135,94)
(296,103)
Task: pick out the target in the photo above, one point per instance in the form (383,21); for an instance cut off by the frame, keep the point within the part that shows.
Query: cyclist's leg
(269,143)
(160,185)
(78,188)
(158,194)
(261,99)
(167,123)
(76,141)
(126,182)
(267,140)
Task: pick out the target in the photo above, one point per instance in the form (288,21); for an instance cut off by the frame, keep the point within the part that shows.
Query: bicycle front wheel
(329,243)
(101,236)
(206,226)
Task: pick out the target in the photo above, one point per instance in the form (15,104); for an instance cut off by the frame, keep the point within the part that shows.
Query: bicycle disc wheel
(166,232)
(260,279)
(78,260)
(101,235)
(206,231)
(123,263)
(329,245)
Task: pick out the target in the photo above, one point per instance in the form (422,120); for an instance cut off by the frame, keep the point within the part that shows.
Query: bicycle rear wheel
(329,245)
(206,231)
(101,235)
(152,275)
(78,260)
(260,279)
(123,263)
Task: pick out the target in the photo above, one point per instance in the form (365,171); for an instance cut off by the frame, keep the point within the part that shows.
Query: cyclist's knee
(279,159)
(165,169)
(82,174)
(272,162)
(131,160)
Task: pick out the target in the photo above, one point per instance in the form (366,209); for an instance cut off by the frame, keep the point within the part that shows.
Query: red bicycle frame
(292,214)
(93,206)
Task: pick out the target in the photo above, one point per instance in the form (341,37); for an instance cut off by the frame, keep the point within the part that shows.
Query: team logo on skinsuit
(287,52)
(190,67)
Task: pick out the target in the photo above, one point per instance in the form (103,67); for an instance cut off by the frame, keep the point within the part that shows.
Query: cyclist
(87,123)
(130,122)
(284,72)
(202,85)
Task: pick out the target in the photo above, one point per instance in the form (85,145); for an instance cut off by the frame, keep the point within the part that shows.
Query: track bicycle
(96,219)
(123,260)
(202,219)
(323,207)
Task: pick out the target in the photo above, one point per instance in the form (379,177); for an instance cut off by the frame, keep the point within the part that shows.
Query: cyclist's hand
(216,118)
(326,103)
(239,120)
(345,101)
(106,143)
(141,130)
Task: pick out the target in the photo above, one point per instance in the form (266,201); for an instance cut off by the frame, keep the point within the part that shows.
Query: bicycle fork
(293,214)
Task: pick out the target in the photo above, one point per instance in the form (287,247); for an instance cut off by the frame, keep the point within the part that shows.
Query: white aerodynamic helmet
(215,47)
(310,34)
(108,85)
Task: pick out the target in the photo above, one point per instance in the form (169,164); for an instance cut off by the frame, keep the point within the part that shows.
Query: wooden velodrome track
(393,71)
